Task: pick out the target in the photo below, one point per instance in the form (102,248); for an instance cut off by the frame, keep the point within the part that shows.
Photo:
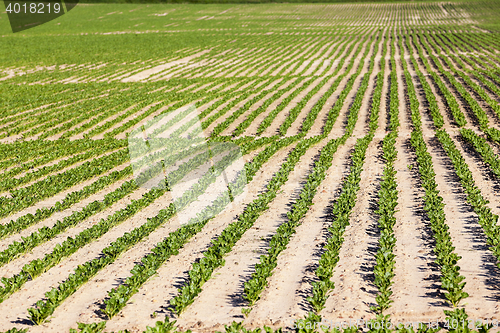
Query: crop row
(340,218)
(31,157)
(484,149)
(84,272)
(71,245)
(27,196)
(437,117)
(240,129)
(387,202)
(45,233)
(171,244)
(448,96)
(487,219)
(70,199)
(280,240)
(312,114)
(446,258)
(11,182)
(213,257)
(479,113)
(272,115)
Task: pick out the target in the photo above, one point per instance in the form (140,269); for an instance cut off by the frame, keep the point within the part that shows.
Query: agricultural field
(364,145)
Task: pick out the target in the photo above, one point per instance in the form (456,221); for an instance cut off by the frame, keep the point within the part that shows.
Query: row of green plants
(237,113)
(216,98)
(483,148)
(44,234)
(117,298)
(27,196)
(278,60)
(446,258)
(446,57)
(138,117)
(495,106)
(175,97)
(25,221)
(272,115)
(340,220)
(15,109)
(335,110)
(305,56)
(165,326)
(126,110)
(450,100)
(84,272)
(313,113)
(48,118)
(485,73)
(71,245)
(474,106)
(11,182)
(253,59)
(240,129)
(340,215)
(453,41)
(487,219)
(387,202)
(290,62)
(52,129)
(280,240)
(213,258)
(57,119)
(31,157)
(436,115)
(234,98)
(220,98)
